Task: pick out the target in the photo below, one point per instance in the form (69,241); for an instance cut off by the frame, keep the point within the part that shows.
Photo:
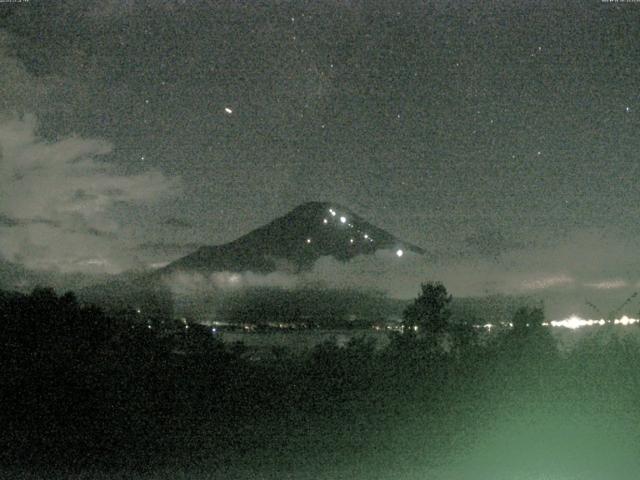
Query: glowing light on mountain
(366,236)
(343,220)
(325,221)
(308,240)
(332,212)
(351,240)
(399,252)
(228,110)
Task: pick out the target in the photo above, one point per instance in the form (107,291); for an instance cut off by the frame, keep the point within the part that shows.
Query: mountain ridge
(303,235)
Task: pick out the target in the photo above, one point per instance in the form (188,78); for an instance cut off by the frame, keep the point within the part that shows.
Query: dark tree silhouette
(529,343)
(429,312)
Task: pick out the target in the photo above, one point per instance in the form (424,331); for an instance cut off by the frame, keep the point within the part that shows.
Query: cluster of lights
(573,322)
(344,221)
(489,326)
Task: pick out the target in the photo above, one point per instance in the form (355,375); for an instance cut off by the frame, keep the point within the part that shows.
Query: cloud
(607,284)
(189,283)
(556,273)
(56,198)
(545,282)
(63,206)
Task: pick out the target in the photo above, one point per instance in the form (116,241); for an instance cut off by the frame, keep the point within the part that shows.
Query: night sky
(502,137)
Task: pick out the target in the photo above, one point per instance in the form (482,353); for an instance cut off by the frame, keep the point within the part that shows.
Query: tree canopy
(430,311)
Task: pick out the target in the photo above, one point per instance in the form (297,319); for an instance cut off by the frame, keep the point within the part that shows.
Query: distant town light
(366,236)
(399,252)
(351,240)
(308,240)
(228,110)
(343,220)
(325,221)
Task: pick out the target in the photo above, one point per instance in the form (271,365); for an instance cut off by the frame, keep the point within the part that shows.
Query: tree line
(82,387)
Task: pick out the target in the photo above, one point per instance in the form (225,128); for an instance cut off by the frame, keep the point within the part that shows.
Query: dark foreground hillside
(87,396)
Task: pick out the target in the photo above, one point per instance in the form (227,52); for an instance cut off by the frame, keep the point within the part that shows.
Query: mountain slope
(310,231)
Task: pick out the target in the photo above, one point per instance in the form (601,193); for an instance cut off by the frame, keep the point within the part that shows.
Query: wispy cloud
(545,282)
(607,284)
(190,283)
(56,197)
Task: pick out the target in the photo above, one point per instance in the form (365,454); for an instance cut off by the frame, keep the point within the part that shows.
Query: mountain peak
(309,231)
